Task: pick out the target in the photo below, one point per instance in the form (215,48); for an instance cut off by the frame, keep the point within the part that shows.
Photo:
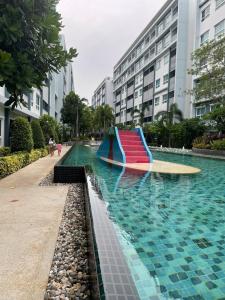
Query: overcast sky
(102,30)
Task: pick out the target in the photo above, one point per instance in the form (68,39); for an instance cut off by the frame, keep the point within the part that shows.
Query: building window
(147,39)
(165,79)
(167,19)
(37,102)
(204,37)
(166,40)
(219,29)
(156,101)
(153,34)
(200,111)
(121,113)
(175,11)
(157,66)
(159,47)
(165,98)
(136,79)
(219,3)
(174,34)
(166,59)
(31,98)
(136,94)
(140,92)
(157,83)
(147,56)
(205,13)
(160,27)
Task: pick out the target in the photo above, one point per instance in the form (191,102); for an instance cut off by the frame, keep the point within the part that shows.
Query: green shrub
(38,137)
(12,163)
(218,145)
(48,126)
(201,143)
(4,151)
(22,139)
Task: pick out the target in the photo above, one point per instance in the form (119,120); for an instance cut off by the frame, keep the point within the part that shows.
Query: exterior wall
(206,25)
(104,93)
(168,37)
(48,100)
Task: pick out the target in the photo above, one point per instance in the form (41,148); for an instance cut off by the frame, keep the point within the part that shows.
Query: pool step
(133,147)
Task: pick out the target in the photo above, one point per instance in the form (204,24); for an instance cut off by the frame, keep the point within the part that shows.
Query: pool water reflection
(171,227)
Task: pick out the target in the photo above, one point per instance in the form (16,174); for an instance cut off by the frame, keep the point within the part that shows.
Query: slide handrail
(141,134)
(120,145)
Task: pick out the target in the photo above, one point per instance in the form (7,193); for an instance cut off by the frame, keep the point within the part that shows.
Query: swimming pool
(171,228)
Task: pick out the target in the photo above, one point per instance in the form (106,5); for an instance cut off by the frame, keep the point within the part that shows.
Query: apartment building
(152,74)
(210,24)
(104,93)
(47,100)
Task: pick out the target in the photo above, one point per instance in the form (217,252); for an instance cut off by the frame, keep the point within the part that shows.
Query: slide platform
(128,148)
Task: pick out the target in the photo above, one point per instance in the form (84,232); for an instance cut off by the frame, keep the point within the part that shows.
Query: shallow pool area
(171,228)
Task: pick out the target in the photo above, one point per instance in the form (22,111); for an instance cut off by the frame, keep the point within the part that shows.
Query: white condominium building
(210,24)
(152,74)
(104,93)
(47,100)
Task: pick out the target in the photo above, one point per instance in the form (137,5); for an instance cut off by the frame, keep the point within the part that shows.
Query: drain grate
(202,243)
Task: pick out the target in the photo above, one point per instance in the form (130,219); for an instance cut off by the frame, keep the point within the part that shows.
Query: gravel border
(69,274)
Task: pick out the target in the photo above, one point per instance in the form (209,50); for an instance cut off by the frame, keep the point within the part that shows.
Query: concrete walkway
(30,216)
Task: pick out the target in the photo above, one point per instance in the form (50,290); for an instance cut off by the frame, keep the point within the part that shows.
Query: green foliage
(180,134)
(217,115)
(104,117)
(14,162)
(38,137)
(218,145)
(30,48)
(72,111)
(190,129)
(4,151)
(48,126)
(208,66)
(87,120)
(21,139)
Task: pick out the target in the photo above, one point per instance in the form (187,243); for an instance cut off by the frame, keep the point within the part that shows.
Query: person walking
(51,145)
(59,148)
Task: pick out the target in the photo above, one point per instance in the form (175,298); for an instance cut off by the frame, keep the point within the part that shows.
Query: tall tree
(168,118)
(140,112)
(72,111)
(104,117)
(208,65)
(29,45)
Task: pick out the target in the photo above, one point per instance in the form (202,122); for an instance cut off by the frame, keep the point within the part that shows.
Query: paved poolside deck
(157,166)
(30,216)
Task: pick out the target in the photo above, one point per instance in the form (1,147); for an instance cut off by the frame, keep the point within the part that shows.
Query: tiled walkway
(30,216)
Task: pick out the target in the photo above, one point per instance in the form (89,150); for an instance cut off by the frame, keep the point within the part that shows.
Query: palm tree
(144,107)
(168,118)
(141,112)
(104,117)
(133,111)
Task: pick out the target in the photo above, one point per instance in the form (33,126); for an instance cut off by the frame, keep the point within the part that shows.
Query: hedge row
(14,162)
(214,145)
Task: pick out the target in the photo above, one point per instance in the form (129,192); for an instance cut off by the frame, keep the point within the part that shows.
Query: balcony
(130,103)
(148,78)
(147,95)
(148,112)
(172,84)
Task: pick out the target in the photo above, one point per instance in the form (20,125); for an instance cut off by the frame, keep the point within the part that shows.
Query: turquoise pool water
(171,227)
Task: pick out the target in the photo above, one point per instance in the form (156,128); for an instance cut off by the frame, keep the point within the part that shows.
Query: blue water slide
(141,134)
(111,147)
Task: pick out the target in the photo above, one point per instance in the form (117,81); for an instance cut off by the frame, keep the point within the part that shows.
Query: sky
(102,31)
